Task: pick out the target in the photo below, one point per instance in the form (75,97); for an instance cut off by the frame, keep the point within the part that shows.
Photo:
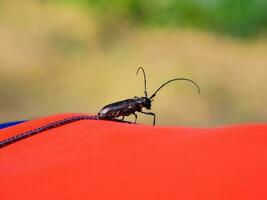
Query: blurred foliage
(54,58)
(243,18)
(66,43)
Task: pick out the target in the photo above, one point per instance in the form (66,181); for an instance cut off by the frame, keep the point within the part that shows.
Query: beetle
(131,106)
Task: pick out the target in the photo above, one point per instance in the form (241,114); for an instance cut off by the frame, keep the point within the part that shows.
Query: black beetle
(130,106)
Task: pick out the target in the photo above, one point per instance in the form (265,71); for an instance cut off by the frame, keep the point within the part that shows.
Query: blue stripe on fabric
(8,124)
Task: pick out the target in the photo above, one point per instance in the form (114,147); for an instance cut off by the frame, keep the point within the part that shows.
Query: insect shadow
(131,106)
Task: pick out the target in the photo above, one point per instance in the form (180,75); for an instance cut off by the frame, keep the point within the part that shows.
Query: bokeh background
(79,55)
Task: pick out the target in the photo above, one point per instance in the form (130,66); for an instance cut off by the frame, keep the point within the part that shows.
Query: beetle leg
(135,115)
(122,118)
(115,116)
(150,113)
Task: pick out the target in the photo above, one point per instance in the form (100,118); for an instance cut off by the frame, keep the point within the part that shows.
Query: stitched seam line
(44,128)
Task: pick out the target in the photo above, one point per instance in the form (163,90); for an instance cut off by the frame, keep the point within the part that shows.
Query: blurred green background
(79,55)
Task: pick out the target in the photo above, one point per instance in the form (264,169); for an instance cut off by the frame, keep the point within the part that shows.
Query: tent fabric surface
(94,159)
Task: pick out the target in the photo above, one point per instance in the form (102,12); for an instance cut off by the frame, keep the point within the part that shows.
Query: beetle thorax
(144,102)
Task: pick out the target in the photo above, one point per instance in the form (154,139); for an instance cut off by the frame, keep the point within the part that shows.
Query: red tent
(93,159)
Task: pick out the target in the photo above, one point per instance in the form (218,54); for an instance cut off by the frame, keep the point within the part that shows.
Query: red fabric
(108,160)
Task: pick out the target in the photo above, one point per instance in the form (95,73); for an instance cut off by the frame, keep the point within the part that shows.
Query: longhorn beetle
(130,106)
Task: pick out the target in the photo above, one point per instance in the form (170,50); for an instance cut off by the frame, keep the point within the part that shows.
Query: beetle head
(145,102)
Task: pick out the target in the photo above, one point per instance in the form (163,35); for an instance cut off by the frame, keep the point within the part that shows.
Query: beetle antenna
(144,78)
(176,79)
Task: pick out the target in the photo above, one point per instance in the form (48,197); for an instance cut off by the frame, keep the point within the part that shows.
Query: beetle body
(124,108)
(131,106)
